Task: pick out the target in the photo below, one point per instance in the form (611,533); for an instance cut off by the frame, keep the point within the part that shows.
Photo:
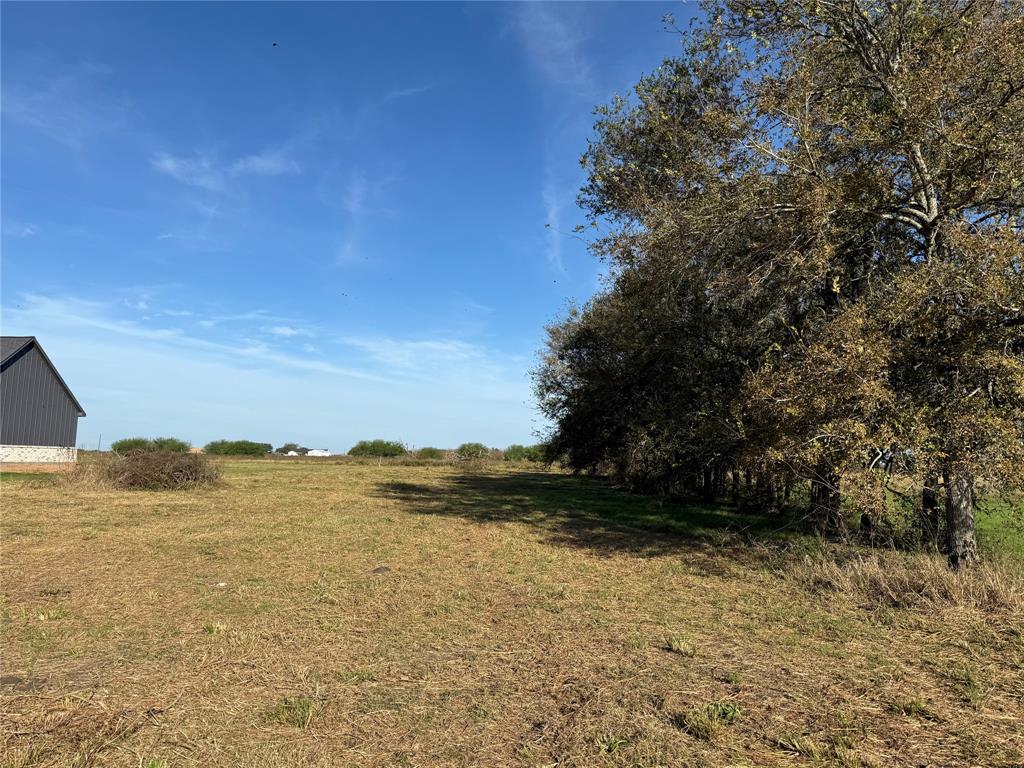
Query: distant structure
(38,413)
(318,452)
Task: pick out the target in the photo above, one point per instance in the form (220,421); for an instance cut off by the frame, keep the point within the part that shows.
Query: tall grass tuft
(899,580)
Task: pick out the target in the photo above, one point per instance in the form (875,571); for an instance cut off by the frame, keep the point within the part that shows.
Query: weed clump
(704,722)
(680,645)
(296,711)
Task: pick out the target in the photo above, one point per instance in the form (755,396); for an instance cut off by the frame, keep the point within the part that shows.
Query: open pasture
(394,615)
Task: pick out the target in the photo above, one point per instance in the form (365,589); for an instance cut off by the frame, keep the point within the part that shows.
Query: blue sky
(342,236)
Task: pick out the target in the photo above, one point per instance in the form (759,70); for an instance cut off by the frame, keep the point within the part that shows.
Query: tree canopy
(816,269)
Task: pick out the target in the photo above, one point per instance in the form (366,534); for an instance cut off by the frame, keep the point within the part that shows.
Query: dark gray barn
(38,413)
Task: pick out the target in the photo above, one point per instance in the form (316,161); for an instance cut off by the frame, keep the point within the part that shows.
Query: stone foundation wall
(37,454)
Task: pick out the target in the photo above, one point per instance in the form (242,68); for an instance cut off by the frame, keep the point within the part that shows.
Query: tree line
(811,225)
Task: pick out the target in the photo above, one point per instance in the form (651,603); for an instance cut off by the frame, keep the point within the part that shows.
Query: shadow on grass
(590,513)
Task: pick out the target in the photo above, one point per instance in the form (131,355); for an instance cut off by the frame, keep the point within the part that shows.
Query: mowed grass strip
(346,614)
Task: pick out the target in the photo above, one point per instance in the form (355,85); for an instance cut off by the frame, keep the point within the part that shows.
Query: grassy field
(359,615)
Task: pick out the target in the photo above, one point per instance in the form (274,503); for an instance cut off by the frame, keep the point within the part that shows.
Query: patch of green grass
(610,743)
(705,721)
(914,707)
(22,477)
(968,686)
(1000,524)
(296,711)
(359,676)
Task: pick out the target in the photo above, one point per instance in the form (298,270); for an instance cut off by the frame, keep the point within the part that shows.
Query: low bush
(524,453)
(158,470)
(377,448)
(472,451)
(150,444)
(430,453)
(238,448)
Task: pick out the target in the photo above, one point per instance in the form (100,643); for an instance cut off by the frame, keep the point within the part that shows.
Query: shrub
(289,447)
(237,448)
(524,453)
(148,470)
(430,453)
(377,448)
(472,451)
(162,444)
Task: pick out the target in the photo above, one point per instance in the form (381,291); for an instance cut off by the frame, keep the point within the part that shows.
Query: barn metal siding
(34,408)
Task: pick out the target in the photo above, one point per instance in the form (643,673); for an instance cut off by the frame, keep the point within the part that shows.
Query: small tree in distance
(150,445)
(237,448)
(517,452)
(289,447)
(472,451)
(378,448)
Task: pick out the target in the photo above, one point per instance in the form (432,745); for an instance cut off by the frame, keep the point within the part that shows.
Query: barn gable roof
(13,347)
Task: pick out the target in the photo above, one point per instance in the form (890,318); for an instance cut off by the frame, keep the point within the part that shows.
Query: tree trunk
(930,513)
(962,548)
(825,509)
(735,485)
(707,488)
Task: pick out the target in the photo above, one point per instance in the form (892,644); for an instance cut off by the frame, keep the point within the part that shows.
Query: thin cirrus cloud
(207,383)
(19,229)
(203,170)
(553,41)
(72,107)
(287,331)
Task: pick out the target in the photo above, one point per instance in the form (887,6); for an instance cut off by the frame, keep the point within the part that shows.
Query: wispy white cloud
(205,171)
(269,163)
(404,93)
(142,377)
(552,37)
(354,199)
(419,355)
(19,229)
(287,331)
(72,107)
(200,170)
(553,236)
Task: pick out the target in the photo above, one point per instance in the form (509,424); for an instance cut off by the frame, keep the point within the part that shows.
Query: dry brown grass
(898,580)
(346,614)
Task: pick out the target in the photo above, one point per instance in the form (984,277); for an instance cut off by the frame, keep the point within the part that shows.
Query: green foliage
(378,448)
(472,451)
(517,452)
(289,447)
(430,453)
(794,301)
(237,448)
(160,444)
